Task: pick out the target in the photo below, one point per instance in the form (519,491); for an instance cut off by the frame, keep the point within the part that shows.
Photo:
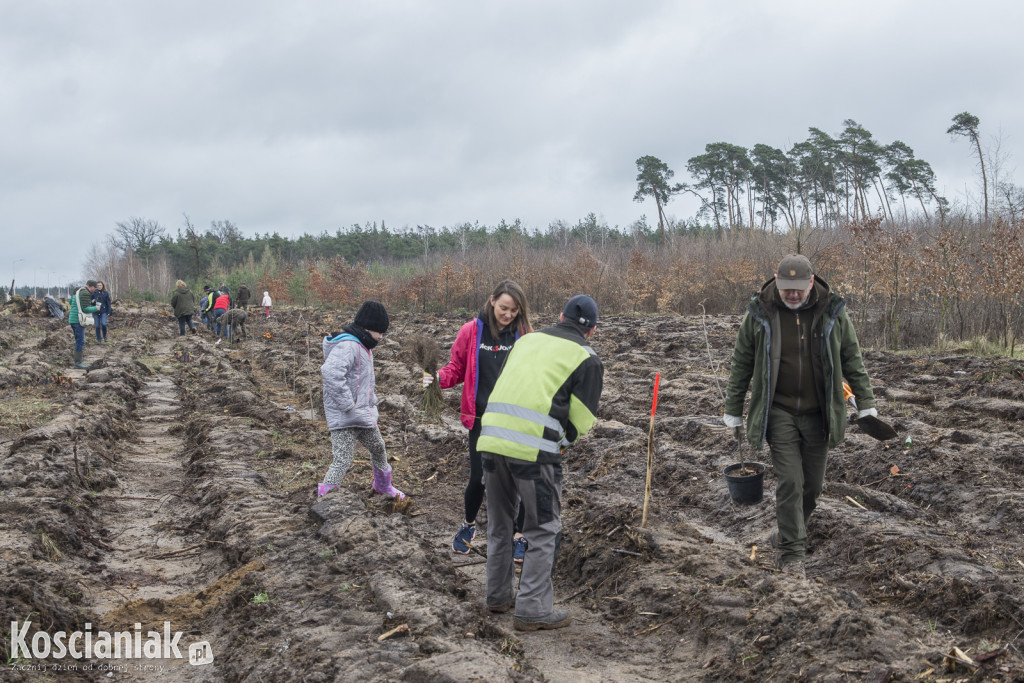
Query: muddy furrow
(53,476)
(149,518)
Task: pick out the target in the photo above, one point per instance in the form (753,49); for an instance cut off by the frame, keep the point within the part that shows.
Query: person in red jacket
(477,357)
(221,304)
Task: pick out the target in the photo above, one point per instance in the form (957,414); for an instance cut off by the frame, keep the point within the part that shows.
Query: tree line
(820,182)
(935,273)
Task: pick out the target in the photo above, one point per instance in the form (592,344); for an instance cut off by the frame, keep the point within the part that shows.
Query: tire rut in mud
(149,518)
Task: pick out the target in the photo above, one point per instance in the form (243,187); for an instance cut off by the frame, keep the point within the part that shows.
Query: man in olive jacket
(545,399)
(795,346)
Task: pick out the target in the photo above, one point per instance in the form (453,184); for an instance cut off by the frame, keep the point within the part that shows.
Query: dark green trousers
(799,449)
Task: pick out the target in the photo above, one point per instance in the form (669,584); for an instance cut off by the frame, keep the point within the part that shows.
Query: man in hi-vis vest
(544,400)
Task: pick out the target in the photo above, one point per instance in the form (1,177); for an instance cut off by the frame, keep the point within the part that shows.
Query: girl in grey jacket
(350,402)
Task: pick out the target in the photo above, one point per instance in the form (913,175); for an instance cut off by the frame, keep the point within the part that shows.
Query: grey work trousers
(799,449)
(539,488)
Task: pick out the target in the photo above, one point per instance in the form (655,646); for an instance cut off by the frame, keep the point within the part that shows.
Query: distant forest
(916,269)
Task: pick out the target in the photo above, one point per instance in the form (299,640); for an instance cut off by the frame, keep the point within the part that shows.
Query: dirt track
(175,481)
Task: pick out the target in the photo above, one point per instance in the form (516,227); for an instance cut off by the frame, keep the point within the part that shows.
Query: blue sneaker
(461,544)
(519,553)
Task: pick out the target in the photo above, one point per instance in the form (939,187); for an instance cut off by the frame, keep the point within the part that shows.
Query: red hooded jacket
(463,368)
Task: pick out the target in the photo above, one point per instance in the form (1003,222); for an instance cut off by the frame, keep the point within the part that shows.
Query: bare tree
(226,232)
(1013,198)
(136,234)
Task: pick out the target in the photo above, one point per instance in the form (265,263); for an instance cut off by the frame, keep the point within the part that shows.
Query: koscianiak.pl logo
(88,644)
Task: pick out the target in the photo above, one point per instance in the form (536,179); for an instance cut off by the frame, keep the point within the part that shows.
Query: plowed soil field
(175,481)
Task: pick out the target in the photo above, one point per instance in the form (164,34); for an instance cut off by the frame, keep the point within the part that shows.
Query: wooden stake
(650,451)
(404,628)
(855,503)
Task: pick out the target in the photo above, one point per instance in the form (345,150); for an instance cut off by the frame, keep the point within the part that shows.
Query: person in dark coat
(795,345)
(243,297)
(101,299)
(183,301)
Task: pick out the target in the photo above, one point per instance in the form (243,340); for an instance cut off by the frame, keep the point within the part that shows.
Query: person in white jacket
(266,303)
(350,399)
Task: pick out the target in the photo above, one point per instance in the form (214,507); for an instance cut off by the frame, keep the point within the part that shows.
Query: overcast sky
(309,116)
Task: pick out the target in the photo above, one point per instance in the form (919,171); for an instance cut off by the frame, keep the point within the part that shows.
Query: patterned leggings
(343,446)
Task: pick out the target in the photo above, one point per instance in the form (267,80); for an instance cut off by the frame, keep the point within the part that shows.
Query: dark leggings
(475,487)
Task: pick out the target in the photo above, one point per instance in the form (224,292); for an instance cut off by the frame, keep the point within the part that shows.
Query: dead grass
(25,408)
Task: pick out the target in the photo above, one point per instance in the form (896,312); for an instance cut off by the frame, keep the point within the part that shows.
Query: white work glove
(428,379)
(867,412)
(735,425)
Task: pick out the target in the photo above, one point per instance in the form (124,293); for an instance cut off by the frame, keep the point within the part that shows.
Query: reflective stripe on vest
(527,440)
(527,414)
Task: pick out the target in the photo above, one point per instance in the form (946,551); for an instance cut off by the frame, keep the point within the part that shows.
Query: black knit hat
(373,317)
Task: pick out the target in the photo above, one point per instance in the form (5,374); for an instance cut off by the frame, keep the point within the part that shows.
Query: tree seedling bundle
(427,354)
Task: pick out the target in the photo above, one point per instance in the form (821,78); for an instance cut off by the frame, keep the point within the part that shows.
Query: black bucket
(746,489)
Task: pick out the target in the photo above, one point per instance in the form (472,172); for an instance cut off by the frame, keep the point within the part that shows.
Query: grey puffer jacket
(349,396)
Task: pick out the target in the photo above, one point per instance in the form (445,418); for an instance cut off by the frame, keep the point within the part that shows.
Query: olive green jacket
(755,362)
(183,302)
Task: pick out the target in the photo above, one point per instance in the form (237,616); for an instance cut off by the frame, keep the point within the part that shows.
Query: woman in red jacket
(477,357)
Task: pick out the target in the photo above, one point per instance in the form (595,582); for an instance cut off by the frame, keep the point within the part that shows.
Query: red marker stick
(654,405)
(650,451)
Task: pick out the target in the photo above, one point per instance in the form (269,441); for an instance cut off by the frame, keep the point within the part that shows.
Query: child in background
(266,303)
(350,399)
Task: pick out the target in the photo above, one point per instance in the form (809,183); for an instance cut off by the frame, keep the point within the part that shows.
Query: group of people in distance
(91,305)
(526,396)
(218,311)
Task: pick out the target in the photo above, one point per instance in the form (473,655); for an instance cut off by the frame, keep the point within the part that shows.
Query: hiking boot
(557,619)
(795,569)
(519,549)
(464,538)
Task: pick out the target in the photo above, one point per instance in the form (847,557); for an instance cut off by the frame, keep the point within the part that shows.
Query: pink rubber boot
(322,489)
(382,484)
